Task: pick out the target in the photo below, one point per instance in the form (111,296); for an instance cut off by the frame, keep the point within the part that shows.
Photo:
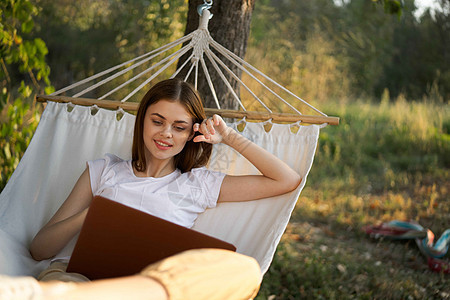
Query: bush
(18,121)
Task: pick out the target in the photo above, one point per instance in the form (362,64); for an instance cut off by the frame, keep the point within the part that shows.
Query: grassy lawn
(386,161)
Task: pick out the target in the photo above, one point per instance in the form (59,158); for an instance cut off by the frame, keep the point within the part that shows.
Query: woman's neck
(157,168)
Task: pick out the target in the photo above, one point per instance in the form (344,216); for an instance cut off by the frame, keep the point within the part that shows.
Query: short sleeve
(96,168)
(100,171)
(210,182)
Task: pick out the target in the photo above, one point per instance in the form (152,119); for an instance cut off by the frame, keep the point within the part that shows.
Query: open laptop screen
(117,240)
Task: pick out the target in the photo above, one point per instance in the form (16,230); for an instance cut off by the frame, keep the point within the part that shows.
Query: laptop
(117,240)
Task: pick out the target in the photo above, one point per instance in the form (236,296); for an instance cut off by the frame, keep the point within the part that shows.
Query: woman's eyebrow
(162,117)
(158,115)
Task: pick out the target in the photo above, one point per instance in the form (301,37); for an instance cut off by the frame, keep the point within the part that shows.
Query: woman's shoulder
(108,161)
(204,172)
(113,159)
(198,171)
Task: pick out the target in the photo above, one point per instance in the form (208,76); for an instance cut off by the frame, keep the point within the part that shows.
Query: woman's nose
(166,131)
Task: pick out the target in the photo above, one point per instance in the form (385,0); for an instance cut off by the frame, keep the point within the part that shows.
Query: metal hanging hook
(206,5)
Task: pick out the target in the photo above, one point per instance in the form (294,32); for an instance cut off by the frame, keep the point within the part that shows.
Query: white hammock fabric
(65,140)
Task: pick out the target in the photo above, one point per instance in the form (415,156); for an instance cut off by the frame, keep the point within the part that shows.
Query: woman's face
(167,128)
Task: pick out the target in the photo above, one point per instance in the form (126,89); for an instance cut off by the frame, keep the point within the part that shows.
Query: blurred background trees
(354,48)
(23,73)
(85,37)
(320,49)
(325,51)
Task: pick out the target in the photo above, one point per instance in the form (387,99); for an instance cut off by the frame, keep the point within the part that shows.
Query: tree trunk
(230,27)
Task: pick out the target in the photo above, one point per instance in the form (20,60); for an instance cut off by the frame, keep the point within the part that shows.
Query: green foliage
(85,37)
(19,55)
(391,6)
(291,41)
(18,122)
(366,48)
(23,74)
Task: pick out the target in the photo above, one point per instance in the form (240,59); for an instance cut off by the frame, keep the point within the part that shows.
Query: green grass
(385,161)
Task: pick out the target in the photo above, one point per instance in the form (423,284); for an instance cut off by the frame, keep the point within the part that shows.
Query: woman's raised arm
(65,223)
(277,177)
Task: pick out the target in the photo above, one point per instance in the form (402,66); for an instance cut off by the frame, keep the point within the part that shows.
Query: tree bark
(230,27)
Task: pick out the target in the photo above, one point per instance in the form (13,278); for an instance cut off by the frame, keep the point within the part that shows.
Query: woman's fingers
(210,126)
(199,138)
(196,127)
(216,119)
(204,129)
(208,129)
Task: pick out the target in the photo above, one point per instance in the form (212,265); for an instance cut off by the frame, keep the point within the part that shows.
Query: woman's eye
(156,122)
(180,128)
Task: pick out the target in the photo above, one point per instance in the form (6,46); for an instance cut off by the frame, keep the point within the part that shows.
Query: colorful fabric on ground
(424,239)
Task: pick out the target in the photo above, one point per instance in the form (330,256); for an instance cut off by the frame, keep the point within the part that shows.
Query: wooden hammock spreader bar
(249,115)
(108,104)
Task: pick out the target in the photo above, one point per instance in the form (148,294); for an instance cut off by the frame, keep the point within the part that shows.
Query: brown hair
(193,155)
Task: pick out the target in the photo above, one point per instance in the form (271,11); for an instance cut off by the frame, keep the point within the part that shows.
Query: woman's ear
(191,136)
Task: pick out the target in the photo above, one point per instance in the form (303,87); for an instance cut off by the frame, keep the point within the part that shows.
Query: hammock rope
(159,51)
(238,79)
(173,58)
(201,44)
(140,74)
(219,47)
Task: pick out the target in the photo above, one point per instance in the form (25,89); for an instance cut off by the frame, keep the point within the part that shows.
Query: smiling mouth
(162,144)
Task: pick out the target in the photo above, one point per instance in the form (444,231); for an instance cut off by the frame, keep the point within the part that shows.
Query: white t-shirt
(177,197)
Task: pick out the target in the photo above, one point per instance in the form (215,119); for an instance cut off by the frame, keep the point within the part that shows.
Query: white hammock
(54,160)
(69,135)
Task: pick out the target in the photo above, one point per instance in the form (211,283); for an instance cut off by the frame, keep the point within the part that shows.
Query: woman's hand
(276,176)
(213,130)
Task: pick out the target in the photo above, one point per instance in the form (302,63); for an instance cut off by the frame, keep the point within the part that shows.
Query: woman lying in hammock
(167,176)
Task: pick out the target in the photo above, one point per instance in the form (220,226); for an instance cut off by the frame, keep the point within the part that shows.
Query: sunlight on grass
(387,160)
